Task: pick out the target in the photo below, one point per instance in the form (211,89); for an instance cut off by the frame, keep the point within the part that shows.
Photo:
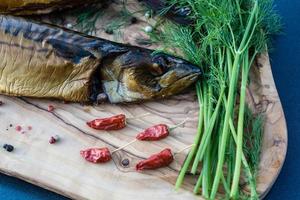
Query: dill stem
(207,134)
(199,183)
(245,163)
(226,186)
(190,156)
(205,105)
(224,135)
(230,162)
(230,101)
(229,62)
(206,174)
(240,128)
(205,119)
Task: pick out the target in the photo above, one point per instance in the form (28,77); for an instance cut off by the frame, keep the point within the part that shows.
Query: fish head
(139,75)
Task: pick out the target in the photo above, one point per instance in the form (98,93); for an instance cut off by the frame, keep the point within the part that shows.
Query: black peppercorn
(133,20)
(1,103)
(125,162)
(109,31)
(8,147)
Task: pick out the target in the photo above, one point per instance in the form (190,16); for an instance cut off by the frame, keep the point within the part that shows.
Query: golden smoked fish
(28,7)
(45,61)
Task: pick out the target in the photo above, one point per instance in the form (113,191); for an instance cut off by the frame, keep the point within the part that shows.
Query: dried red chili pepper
(161,159)
(96,155)
(154,133)
(110,123)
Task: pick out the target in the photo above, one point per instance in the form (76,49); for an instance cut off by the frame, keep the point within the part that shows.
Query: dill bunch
(224,40)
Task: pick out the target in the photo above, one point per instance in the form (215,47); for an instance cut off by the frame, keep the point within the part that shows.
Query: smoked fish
(45,61)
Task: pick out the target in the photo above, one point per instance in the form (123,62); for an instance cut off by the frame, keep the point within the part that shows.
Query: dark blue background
(285,61)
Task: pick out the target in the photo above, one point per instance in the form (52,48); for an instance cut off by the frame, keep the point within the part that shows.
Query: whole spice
(116,122)
(50,108)
(154,133)
(125,162)
(1,103)
(109,31)
(96,155)
(54,139)
(8,147)
(162,159)
(133,20)
(18,128)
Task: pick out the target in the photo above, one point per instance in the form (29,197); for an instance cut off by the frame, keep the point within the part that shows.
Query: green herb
(86,19)
(224,41)
(253,138)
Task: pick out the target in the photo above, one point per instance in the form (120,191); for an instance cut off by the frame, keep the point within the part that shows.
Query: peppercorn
(1,103)
(109,31)
(54,139)
(8,147)
(148,29)
(50,108)
(18,128)
(69,25)
(133,20)
(125,162)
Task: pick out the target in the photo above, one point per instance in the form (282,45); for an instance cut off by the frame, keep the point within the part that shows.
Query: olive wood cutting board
(60,168)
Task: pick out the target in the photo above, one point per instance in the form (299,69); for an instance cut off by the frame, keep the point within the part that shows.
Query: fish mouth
(141,75)
(175,70)
(178,79)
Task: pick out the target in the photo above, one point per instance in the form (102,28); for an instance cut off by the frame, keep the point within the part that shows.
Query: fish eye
(162,60)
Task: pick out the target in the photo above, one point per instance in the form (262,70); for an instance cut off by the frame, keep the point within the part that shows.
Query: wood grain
(60,168)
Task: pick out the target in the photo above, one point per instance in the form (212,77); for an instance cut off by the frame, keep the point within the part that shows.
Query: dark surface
(285,61)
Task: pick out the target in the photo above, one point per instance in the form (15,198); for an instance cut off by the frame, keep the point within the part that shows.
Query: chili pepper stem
(185,148)
(177,125)
(122,147)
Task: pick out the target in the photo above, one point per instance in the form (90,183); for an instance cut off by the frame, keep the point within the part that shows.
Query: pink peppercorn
(53,139)
(18,128)
(50,108)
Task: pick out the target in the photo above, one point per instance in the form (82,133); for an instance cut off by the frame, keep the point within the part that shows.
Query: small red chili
(154,133)
(161,159)
(96,155)
(110,123)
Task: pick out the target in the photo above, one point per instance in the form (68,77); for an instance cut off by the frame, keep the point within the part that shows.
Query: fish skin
(29,7)
(45,61)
